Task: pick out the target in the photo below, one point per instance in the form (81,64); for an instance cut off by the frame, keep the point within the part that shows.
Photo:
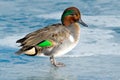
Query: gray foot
(56,64)
(59,64)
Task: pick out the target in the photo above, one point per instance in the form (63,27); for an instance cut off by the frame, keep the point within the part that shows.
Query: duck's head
(72,15)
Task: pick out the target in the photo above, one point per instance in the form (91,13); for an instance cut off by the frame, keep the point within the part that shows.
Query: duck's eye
(72,14)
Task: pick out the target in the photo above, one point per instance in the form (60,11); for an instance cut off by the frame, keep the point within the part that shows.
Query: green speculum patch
(45,43)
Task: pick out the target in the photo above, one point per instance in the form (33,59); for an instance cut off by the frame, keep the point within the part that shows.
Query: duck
(54,40)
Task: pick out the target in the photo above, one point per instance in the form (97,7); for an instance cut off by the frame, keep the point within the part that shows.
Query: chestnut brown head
(71,15)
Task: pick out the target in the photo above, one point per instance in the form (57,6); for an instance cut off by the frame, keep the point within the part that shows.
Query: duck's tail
(31,51)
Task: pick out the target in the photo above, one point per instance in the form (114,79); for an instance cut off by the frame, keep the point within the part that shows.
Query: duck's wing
(49,36)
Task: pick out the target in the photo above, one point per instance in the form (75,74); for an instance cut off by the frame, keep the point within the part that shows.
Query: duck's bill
(82,23)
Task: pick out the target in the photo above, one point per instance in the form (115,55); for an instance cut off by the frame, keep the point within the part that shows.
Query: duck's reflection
(53,73)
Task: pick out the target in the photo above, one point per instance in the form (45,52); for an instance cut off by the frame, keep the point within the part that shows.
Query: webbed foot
(59,64)
(56,64)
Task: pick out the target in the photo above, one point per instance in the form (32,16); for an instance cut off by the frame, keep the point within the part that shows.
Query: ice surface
(96,57)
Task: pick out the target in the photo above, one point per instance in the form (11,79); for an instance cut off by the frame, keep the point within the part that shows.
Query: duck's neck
(75,30)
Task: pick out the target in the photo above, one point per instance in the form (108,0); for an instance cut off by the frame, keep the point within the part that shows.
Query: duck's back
(55,34)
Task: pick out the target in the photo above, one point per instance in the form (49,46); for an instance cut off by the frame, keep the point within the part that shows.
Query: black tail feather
(21,40)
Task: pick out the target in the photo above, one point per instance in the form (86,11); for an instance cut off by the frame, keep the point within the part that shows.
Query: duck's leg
(56,64)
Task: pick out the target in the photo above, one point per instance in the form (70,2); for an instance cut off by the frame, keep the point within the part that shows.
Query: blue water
(96,57)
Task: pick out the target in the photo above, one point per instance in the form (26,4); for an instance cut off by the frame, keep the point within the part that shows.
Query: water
(96,57)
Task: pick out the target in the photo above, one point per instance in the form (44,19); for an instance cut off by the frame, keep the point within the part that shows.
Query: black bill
(82,23)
